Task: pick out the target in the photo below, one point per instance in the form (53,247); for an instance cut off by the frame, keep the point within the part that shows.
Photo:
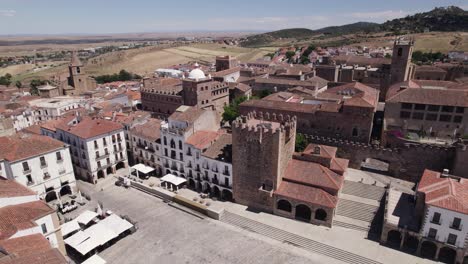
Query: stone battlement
(265,123)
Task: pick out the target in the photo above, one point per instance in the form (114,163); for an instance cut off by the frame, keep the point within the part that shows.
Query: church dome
(196,74)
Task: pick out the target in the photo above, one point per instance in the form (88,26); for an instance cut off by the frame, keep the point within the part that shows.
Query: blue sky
(119,16)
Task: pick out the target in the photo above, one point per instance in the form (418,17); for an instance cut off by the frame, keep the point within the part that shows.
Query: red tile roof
(25,245)
(307,194)
(203,139)
(444,192)
(51,256)
(150,130)
(89,128)
(10,188)
(361,95)
(14,218)
(22,146)
(312,174)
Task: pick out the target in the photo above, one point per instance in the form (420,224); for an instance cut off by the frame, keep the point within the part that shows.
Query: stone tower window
(400,52)
(78,70)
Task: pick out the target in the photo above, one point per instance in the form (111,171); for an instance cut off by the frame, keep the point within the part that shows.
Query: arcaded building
(303,186)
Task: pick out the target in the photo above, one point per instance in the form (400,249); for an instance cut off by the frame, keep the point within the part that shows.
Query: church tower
(402,68)
(77,79)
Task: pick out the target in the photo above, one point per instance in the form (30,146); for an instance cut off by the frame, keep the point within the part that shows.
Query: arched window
(321,215)
(284,205)
(180,144)
(173,143)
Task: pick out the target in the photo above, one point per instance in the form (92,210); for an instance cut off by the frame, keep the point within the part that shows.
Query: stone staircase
(293,239)
(356,210)
(363,190)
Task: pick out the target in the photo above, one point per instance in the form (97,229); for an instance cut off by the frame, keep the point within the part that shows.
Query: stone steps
(293,239)
(356,210)
(363,190)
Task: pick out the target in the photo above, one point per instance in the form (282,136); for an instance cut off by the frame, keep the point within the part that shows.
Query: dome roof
(196,74)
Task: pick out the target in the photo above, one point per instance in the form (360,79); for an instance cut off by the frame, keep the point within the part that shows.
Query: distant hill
(450,18)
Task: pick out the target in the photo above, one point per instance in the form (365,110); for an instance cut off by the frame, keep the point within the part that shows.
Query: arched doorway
(428,249)
(191,184)
(411,244)
(284,205)
(227,195)
(168,171)
(100,174)
(175,174)
(120,165)
(65,190)
(447,255)
(303,213)
(394,238)
(320,214)
(207,188)
(109,170)
(51,196)
(216,192)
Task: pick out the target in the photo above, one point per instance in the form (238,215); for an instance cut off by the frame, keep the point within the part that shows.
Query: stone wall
(407,163)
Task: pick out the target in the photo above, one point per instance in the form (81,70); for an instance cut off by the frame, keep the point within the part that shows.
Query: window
(99,164)
(418,116)
(460,110)
(431,117)
(30,180)
(456,224)
(44,228)
(46,175)
(419,107)
(165,152)
(445,118)
(448,109)
(457,119)
(432,233)
(165,141)
(226,182)
(58,155)
(104,141)
(404,114)
(452,239)
(95,144)
(406,106)
(436,218)
(181,156)
(43,162)
(25,166)
(180,144)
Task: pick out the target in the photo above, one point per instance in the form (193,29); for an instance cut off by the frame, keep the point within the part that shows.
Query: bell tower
(402,68)
(77,78)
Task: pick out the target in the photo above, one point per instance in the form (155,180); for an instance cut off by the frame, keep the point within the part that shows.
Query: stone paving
(168,235)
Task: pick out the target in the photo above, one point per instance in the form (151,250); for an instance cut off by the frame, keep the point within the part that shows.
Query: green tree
(6,79)
(18,84)
(265,93)
(231,112)
(301,143)
(290,54)
(34,84)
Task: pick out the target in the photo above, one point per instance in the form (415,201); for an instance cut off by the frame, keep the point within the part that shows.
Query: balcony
(46,177)
(226,172)
(99,157)
(59,160)
(43,165)
(458,227)
(62,171)
(436,221)
(197,169)
(215,169)
(29,183)
(215,181)
(27,170)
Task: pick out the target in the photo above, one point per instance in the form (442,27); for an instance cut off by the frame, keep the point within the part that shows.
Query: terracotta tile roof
(452,97)
(89,128)
(444,192)
(10,188)
(281,81)
(325,151)
(203,139)
(307,194)
(133,116)
(14,218)
(292,107)
(283,97)
(52,124)
(240,86)
(312,174)
(190,115)
(221,149)
(150,130)
(51,256)
(428,68)
(360,60)
(134,95)
(25,245)
(361,95)
(34,129)
(225,72)
(22,146)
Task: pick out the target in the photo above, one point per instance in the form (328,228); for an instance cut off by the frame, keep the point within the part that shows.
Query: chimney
(445,173)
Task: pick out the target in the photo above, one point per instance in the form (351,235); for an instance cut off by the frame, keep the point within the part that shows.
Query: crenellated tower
(263,144)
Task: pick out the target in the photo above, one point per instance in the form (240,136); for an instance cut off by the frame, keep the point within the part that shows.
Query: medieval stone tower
(76,78)
(402,69)
(262,146)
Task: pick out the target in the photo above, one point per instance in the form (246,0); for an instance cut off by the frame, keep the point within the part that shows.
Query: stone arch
(109,170)
(320,214)
(216,192)
(168,171)
(394,238)
(226,195)
(447,255)
(120,165)
(65,190)
(284,205)
(303,213)
(206,188)
(101,174)
(191,183)
(428,249)
(411,243)
(175,174)
(50,196)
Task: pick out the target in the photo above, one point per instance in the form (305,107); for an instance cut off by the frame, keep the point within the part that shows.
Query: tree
(231,112)
(265,93)
(301,143)
(18,84)
(290,54)
(34,84)
(6,79)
